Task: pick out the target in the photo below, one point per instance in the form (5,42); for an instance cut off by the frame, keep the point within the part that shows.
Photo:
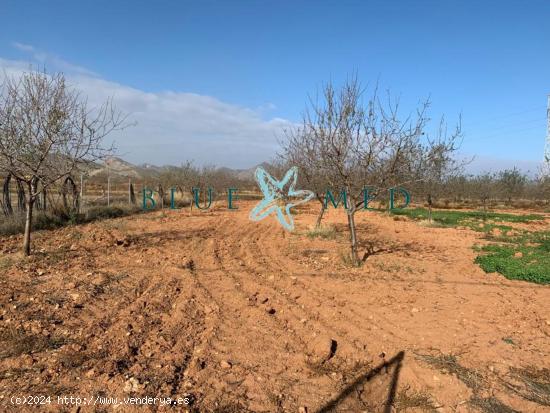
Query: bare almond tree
(484,188)
(47,131)
(438,164)
(348,145)
(301,149)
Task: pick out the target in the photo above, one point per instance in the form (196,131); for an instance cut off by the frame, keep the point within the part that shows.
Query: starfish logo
(279,197)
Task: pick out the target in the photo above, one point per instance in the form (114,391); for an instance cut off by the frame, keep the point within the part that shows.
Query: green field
(516,254)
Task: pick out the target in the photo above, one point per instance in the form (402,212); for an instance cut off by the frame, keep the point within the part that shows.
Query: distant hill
(119,168)
(243,174)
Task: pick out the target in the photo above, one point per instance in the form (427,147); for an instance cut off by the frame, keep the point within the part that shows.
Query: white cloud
(48,59)
(173,126)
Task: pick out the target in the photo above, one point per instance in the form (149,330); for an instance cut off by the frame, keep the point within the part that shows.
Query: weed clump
(325,232)
(449,363)
(416,400)
(531,383)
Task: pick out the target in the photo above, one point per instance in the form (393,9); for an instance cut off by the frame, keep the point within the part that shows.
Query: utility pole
(108,186)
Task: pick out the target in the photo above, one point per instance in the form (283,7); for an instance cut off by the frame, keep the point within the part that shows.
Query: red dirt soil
(242,316)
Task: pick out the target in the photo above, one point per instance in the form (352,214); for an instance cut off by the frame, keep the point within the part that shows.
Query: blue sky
(216,81)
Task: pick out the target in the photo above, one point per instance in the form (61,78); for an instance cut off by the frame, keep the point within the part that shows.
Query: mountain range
(116,167)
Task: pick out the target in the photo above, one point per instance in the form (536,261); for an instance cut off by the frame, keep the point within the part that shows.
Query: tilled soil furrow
(242,316)
(312,296)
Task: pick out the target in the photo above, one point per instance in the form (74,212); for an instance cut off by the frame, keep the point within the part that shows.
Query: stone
(131,385)
(323,349)
(496,232)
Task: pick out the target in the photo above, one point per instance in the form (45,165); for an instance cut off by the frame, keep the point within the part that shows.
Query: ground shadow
(395,362)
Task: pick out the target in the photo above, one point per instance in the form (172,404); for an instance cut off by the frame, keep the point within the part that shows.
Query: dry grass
(325,232)
(410,400)
(15,342)
(531,383)
(449,363)
(53,219)
(491,405)
(6,263)
(475,381)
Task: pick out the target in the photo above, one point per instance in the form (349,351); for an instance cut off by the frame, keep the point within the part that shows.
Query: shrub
(58,218)
(16,223)
(11,226)
(96,213)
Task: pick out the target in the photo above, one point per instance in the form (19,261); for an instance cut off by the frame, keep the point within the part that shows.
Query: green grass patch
(523,257)
(470,219)
(464,218)
(516,254)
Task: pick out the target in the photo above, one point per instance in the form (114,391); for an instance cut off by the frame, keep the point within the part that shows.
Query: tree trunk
(44,200)
(320,216)
(28,220)
(353,236)
(8,210)
(28,227)
(161,196)
(132,194)
(430,208)
(21,198)
(69,187)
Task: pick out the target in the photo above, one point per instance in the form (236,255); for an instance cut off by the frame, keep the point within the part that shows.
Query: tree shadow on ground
(395,363)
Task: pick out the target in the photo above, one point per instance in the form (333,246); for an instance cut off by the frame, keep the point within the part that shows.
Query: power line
(490,119)
(506,133)
(523,122)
